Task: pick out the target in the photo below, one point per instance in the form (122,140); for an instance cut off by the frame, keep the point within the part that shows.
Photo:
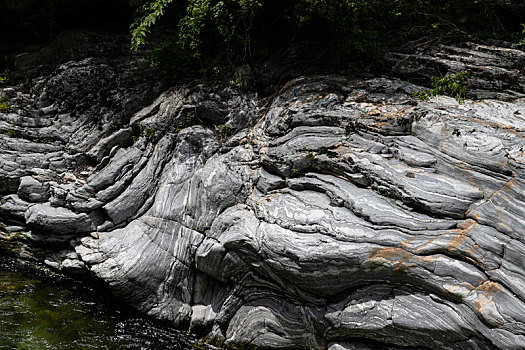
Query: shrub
(451,85)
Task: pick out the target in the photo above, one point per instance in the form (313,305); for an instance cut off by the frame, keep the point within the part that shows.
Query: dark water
(43,311)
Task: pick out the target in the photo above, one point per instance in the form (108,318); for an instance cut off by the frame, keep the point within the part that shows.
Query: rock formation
(336,214)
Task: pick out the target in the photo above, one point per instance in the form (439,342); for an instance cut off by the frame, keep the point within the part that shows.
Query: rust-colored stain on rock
(486,290)
(400,258)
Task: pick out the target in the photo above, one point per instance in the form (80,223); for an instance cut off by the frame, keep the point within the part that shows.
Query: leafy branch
(140,28)
(450,85)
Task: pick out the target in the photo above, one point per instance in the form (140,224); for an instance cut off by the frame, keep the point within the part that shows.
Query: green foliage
(170,62)
(225,130)
(519,37)
(225,26)
(5,77)
(225,15)
(150,13)
(451,85)
(304,163)
(210,34)
(190,116)
(239,81)
(143,131)
(179,127)
(12,132)
(149,133)
(4,104)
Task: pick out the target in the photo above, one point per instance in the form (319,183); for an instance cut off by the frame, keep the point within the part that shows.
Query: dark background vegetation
(27,22)
(323,35)
(27,25)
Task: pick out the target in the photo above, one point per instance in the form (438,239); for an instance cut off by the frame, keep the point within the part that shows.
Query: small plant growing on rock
(450,85)
(143,131)
(225,130)
(4,77)
(149,133)
(239,81)
(12,133)
(190,117)
(519,37)
(4,105)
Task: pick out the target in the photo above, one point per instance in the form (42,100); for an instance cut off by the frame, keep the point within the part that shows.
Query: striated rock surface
(337,214)
(497,71)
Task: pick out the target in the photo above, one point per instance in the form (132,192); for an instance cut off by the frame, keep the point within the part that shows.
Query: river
(41,310)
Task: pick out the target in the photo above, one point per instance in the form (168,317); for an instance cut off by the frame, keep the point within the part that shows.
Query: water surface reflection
(44,311)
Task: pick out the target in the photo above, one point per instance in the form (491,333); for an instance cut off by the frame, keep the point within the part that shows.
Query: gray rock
(9,92)
(122,137)
(33,191)
(61,221)
(344,214)
(496,72)
(129,203)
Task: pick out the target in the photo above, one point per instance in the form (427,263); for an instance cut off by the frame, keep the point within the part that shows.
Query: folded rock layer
(339,214)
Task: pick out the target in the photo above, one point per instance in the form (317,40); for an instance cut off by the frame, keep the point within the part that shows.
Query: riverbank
(41,309)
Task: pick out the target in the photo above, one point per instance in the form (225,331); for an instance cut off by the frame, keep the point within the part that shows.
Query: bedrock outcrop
(336,214)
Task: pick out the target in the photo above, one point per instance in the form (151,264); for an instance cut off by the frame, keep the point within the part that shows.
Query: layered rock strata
(337,214)
(496,71)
